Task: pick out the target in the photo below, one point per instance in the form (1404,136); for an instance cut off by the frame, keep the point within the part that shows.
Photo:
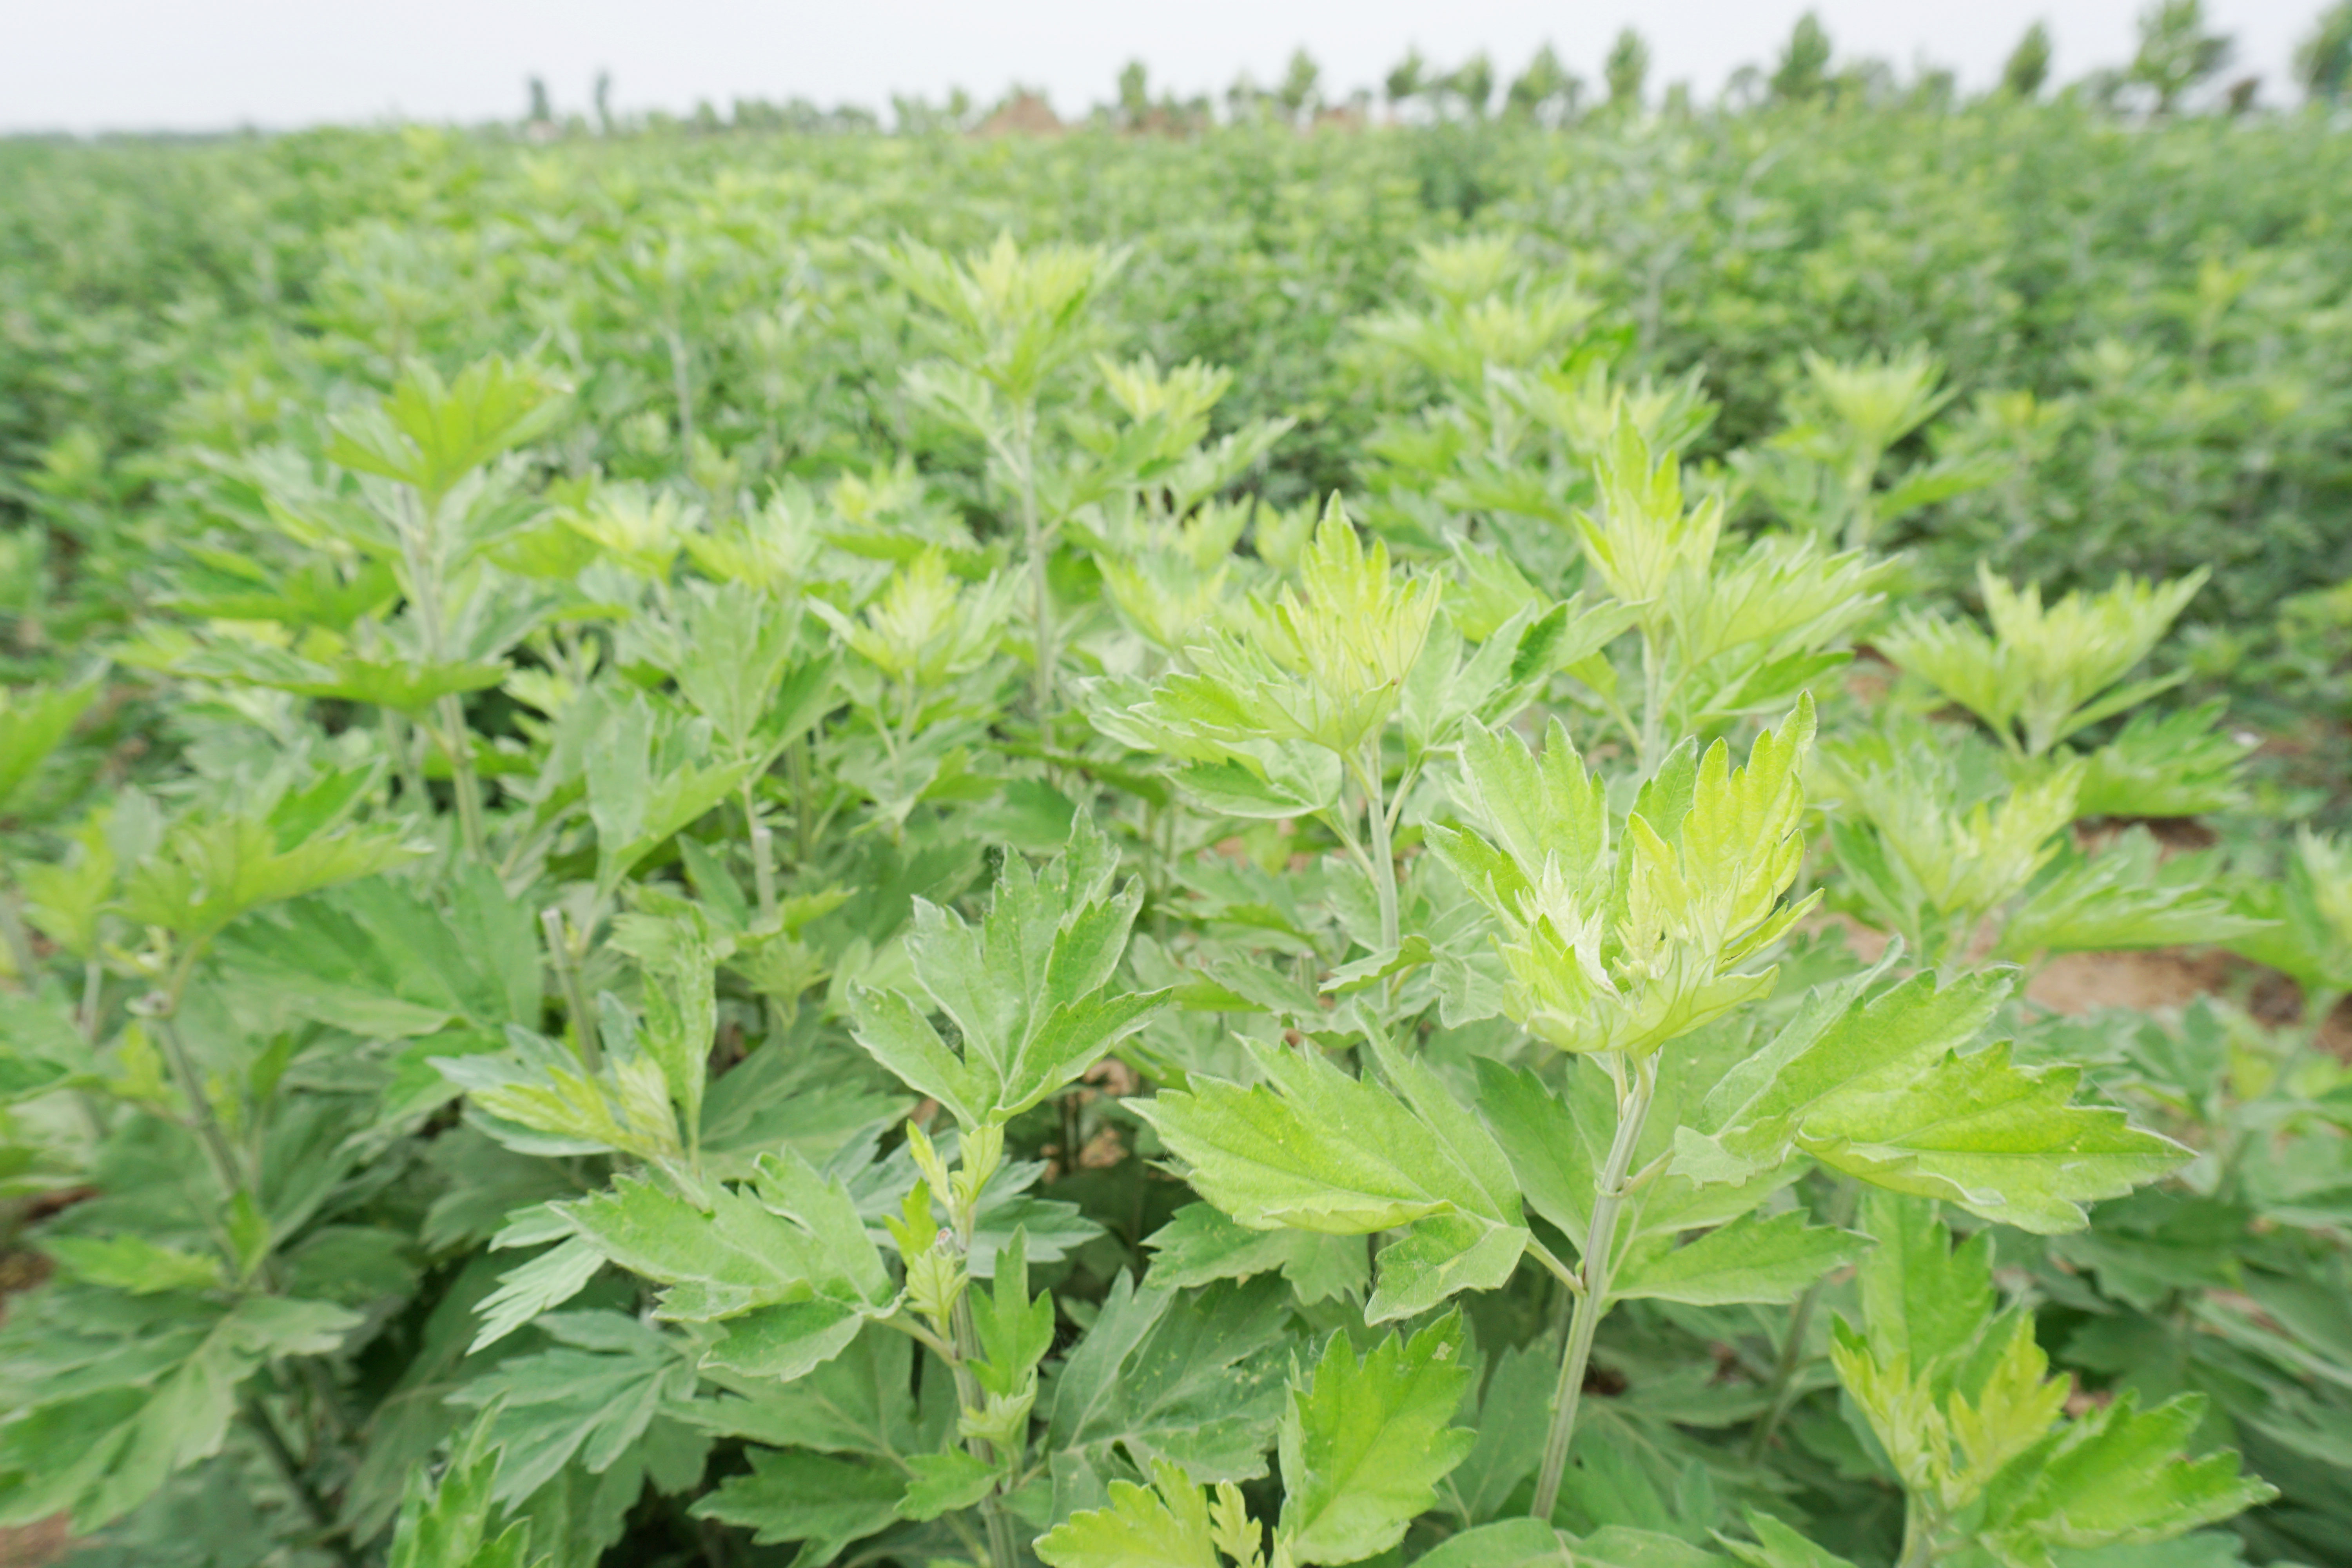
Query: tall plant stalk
(1595,1269)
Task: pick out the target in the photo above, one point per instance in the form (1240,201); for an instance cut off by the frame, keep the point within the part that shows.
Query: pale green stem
(681,377)
(763,854)
(1918,1535)
(1654,701)
(1601,1239)
(803,799)
(457,741)
(1381,852)
(1002,1552)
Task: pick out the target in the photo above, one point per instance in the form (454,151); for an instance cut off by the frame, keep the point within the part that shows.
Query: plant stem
(1002,1550)
(803,799)
(681,380)
(575,995)
(764,855)
(1801,1323)
(333,1536)
(218,1152)
(1382,856)
(456,741)
(1918,1536)
(1601,1239)
(1654,718)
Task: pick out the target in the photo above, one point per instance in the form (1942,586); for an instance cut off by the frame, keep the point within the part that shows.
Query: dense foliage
(1304,850)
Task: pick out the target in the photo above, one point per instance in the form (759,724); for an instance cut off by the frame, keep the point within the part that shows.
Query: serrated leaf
(1200,1245)
(2002,1141)
(1163,1525)
(591,1397)
(2118,1474)
(1313,1149)
(1193,1379)
(209,872)
(133,1263)
(447,1523)
(1753,1258)
(1364,1445)
(944,1482)
(822,1502)
(1029,989)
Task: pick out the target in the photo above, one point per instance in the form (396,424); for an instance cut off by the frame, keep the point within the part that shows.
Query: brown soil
(2155,980)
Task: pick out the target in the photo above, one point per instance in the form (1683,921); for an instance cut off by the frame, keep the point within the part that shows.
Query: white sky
(195,65)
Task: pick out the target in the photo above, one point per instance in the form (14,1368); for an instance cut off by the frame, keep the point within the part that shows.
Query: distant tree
(1678,104)
(1297,92)
(1804,66)
(1936,88)
(2175,53)
(1745,89)
(1545,92)
(541,115)
(2323,62)
(2029,64)
(1629,66)
(2239,97)
(1473,81)
(603,100)
(1408,79)
(1134,95)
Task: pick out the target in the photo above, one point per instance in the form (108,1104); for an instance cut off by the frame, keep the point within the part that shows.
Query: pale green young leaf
(543,1283)
(2002,1142)
(2118,1474)
(862,1403)
(1841,1035)
(1163,1525)
(1015,1331)
(1313,1149)
(1753,1258)
(428,433)
(536,1098)
(2127,896)
(2047,672)
(1922,1298)
(1364,1445)
(1505,1544)
(1030,989)
(2182,764)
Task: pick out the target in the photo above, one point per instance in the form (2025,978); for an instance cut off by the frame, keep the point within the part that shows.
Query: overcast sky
(201,65)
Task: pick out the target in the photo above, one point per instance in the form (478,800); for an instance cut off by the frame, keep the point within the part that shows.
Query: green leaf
(1922,1297)
(447,1523)
(2002,1141)
(1315,1149)
(1015,1331)
(1200,1244)
(1031,989)
(133,1263)
(2117,1475)
(1778,1546)
(1506,1543)
(821,1501)
(1753,1258)
(113,1393)
(944,1482)
(1163,1525)
(790,1269)
(860,1403)
(1838,1037)
(429,433)
(34,722)
(591,1398)
(1195,1379)
(1365,1443)
(209,872)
